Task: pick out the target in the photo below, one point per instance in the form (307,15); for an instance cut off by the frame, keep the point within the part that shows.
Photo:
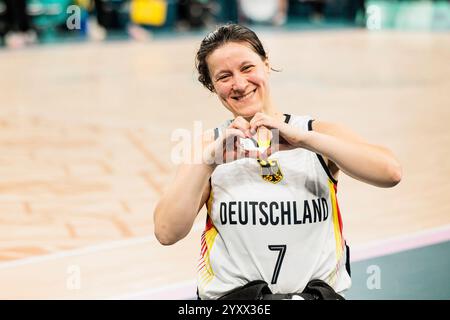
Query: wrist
(209,160)
(302,138)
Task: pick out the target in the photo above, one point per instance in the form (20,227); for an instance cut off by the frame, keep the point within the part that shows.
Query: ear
(267,65)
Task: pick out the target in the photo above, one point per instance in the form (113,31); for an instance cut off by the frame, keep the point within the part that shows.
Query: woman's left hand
(284,136)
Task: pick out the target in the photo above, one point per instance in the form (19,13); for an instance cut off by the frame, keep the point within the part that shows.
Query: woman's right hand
(226,147)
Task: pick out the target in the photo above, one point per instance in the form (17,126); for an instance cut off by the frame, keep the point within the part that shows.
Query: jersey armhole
(321,160)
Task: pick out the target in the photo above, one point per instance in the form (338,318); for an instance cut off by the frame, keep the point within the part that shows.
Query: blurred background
(92,92)
(26,22)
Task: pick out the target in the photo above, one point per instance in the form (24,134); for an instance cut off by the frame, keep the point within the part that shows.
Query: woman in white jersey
(272,212)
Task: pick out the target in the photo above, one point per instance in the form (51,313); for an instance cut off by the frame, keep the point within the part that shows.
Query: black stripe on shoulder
(216,133)
(347,260)
(287,117)
(321,160)
(310,124)
(217,130)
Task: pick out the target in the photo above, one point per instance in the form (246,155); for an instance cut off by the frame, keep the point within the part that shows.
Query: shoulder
(210,135)
(300,121)
(335,129)
(214,133)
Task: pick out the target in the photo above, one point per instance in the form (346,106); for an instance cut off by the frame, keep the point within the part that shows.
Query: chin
(248,112)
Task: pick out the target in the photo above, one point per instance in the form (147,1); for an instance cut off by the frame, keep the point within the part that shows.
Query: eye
(223,77)
(248,67)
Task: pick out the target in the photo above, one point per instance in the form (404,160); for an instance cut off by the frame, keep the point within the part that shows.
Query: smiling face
(240,78)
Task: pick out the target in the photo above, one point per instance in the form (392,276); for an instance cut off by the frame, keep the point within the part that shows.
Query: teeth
(244,96)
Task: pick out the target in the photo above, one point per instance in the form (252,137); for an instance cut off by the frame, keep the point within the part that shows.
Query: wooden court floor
(85,149)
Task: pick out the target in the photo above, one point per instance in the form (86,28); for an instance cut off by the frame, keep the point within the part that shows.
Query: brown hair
(219,37)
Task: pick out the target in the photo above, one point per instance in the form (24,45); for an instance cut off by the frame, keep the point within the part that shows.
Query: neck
(271,111)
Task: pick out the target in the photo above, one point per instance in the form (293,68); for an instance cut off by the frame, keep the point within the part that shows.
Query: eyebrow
(224,71)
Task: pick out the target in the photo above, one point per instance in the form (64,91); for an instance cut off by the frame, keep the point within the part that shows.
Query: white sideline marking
(87,250)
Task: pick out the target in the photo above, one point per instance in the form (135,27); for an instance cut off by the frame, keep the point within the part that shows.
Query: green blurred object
(417,15)
(47,15)
(381,14)
(420,273)
(424,15)
(441,15)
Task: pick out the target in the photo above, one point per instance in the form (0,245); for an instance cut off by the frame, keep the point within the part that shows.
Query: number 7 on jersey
(282,250)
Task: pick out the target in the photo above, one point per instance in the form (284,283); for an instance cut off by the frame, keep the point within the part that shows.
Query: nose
(240,82)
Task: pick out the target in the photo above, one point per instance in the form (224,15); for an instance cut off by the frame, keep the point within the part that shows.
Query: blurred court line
(187,289)
(88,250)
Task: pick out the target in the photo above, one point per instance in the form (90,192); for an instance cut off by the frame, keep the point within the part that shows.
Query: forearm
(369,163)
(176,211)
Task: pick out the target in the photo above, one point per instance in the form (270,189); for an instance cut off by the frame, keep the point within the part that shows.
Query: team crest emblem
(270,170)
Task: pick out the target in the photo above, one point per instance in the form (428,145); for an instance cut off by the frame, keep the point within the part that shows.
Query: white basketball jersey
(278,221)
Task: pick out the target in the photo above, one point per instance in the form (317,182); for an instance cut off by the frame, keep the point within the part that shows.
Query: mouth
(245,96)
